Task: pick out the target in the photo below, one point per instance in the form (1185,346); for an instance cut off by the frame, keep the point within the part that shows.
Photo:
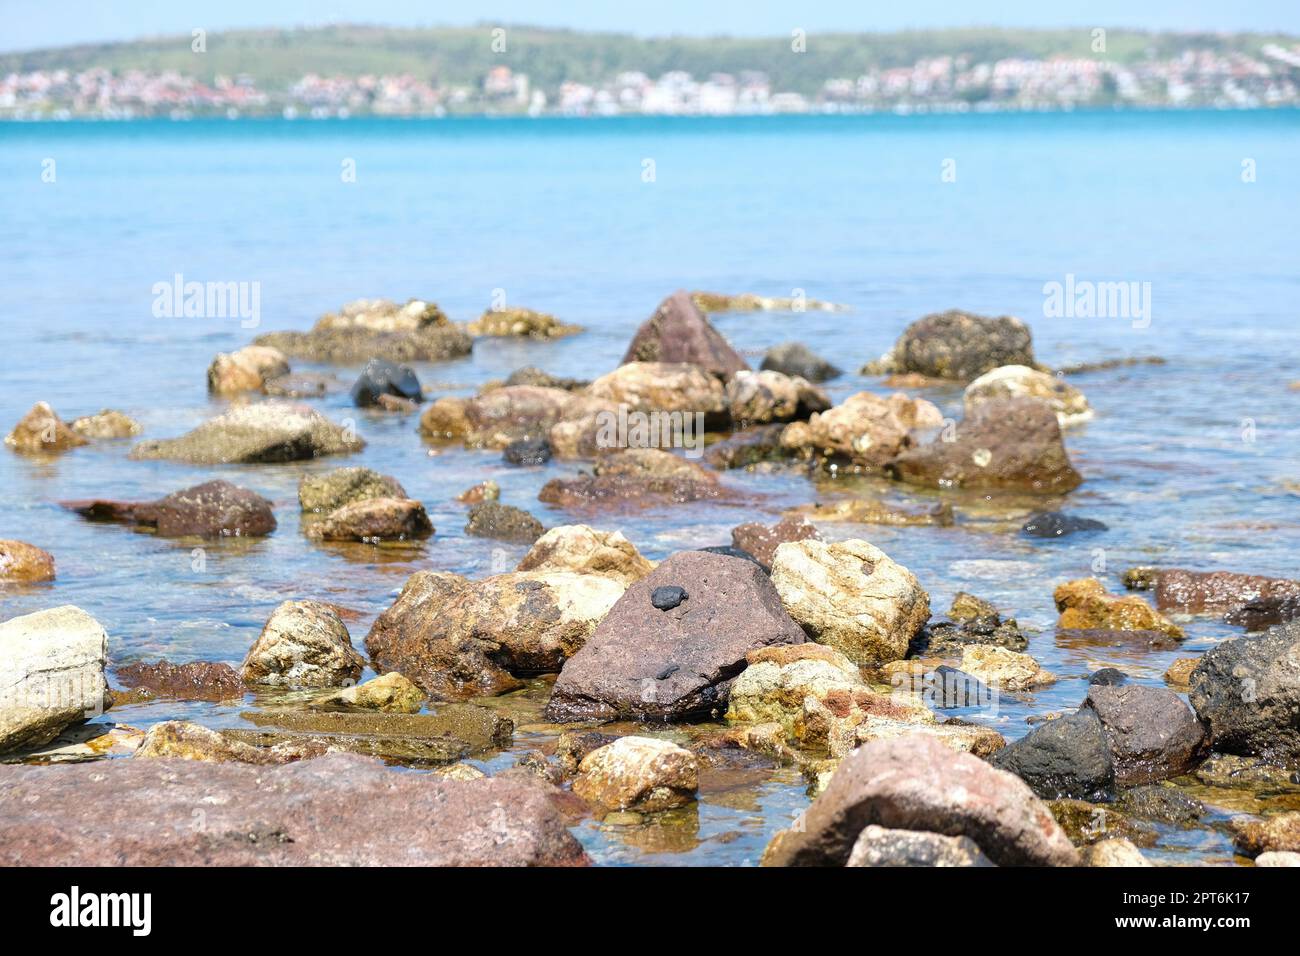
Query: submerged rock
(477,494)
(530,375)
(520,323)
(374,519)
(1162,804)
(332,490)
(679,332)
(245,370)
(796,359)
(316,812)
(1153,735)
(106,424)
(51,675)
(584,550)
(390,693)
(917,783)
(527,451)
(750,302)
(214,509)
(380,378)
(1056,524)
(642,774)
(181,740)
(1067,757)
(880,846)
(1009,444)
(1020,381)
(868,511)
(451,732)
(267,432)
(303,644)
(42,432)
(958,345)
(762,540)
(644,663)
(504,523)
(24,563)
(852,596)
(195,680)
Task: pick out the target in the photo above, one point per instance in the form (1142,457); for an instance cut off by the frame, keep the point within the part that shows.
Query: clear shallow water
(556,214)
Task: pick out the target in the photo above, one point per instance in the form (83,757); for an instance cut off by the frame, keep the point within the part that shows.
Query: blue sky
(29,24)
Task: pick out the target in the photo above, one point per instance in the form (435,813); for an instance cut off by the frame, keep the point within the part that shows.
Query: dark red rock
(761,541)
(679,332)
(213,509)
(336,810)
(196,680)
(1195,592)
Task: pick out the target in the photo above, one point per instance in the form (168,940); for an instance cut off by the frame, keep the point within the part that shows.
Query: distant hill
(453,56)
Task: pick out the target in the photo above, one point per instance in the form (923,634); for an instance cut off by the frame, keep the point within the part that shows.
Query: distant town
(1232,79)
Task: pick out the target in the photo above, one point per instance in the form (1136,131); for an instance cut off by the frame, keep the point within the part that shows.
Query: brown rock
(679,332)
(246,370)
(1196,592)
(303,644)
(41,431)
(1276,834)
(1179,673)
(761,540)
(642,774)
(375,519)
(1084,604)
(491,519)
(24,563)
(195,680)
(445,420)
(324,493)
(214,509)
(864,430)
(636,478)
(106,424)
(585,550)
(180,740)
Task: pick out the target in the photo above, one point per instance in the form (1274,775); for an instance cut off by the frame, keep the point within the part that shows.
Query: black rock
(528,451)
(730,552)
(948,687)
(1057,524)
(1263,613)
(667,597)
(1066,757)
(381,377)
(1162,804)
(1109,677)
(795,358)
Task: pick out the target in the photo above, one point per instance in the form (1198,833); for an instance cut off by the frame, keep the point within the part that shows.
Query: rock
(303,644)
(851,596)
(384,315)
(1107,677)
(451,732)
(445,420)
(1278,857)
(529,375)
(1080,368)
(957,737)
(1116,851)
(584,550)
(1056,524)
(42,432)
(749,302)
(1263,613)
(679,332)
(214,509)
(1020,381)
(762,541)
(668,597)
(306,385)
(1152,734)
(747,448)
(459,771)
(865,430)
(380,378)
(1084,604)
(796,359)
(374,519)
(106,424)
(1010,444)
(959,345)
(24,563)
(321,494)
(972,621)
(520,323)
(636,478)
(1003,668)
(1245,773)
(756,398)
(573,745)
(1196,592)
(181,740)
(1279,833)
(661,387)
(195,680)
(528,451)
(727,551)
(51,675)
(643,663)
(484,491)
(1248,690)
(917,783)
(245,370)
(878,846)
(1179,673)
(266,432)
(501,416)
(641,774)
(366,329)
(868,511)
(316,812)
(391,693)
(1089,638)
(1162,804)
(1089,823)
(395,403)
(1066,757)
(504,523)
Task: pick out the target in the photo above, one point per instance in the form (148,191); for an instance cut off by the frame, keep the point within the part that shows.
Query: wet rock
(181,740)
(947,687)
(42,432)
(1066,757)
(868,511)
(636,478)
(584,550)
(750,302)
(679,332)
(1010,444)
(379,378)
(195,680)
(528,375)
(484,491)
(51,675)
(958,345)
(330,491)
(527,451)
(445,420)
(501,416)
(303,644)
(762,540)
(453,731)
(1248,690)
(573,745)
(1003,668)
(1152,734)
(917,783)
(1087,824)
(1019,381)
(1108,677)
(865,430)
(315,812)
(1116,851)
(668,597)
(304,385)
(504,523)
(1263,613)
(391,693)
(796,359)
(879,846)
(662,387)
(214,509)
(642,774)
(374,519)
(1179,673)
(520,323)
(756,398)
(1196,592)
(106,424)
(535,762)
(643,663)
(24,563)
(747,448)
(1084,604)
(972,620)
(267,432)
(415,332)
(1087,638)
(1162,804)
(395,403)
(1276,834)
(245,370)
(851,596)
(1056,524)
(1245,773)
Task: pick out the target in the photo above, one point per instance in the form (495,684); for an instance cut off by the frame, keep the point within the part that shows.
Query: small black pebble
(528,451)
(1108,677)
(668,597)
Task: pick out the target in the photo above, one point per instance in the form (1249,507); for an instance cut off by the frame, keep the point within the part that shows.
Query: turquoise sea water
(1187,462)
